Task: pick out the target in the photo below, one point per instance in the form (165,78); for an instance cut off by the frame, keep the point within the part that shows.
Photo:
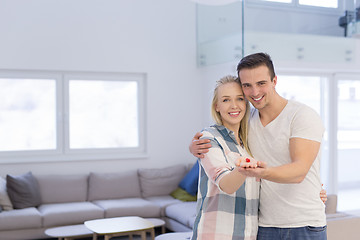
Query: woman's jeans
(300,233)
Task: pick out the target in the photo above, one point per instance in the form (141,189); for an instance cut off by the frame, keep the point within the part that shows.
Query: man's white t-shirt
(288,205)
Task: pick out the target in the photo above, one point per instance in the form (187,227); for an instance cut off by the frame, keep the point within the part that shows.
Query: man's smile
(257,99)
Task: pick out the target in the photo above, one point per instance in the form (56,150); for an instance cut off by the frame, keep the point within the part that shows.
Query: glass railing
(219,33)
(227,32)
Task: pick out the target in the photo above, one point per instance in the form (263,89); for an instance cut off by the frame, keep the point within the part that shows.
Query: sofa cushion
(23,190)
(113,185)
(184,213)
(20,219)
(159,182)
(63,188)
(190,182)
(175,226)
(69,213)
(183,195)
(5,202)
(163,202)
(129,207)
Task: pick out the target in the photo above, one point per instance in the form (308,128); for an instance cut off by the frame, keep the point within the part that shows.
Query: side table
(69,232)
(157,223)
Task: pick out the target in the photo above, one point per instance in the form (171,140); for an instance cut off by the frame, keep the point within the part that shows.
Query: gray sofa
(73,199)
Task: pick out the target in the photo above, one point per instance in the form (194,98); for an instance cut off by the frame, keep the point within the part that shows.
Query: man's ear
(275,81)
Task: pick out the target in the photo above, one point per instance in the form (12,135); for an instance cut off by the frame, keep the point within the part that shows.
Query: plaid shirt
(222,216)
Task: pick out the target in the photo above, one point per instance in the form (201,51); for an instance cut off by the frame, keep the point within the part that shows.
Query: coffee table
(120,226)
(175,236)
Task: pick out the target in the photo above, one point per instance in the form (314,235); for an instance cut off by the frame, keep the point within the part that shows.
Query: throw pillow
(183,195)
(190,182)
(111,185)
(61,188)
(5,202)
(160,182)
(23,190)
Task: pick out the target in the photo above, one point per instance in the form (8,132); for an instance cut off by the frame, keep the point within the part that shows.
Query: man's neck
(270,112)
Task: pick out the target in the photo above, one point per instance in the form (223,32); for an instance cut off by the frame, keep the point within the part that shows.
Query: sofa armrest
(344,226)
(331,204)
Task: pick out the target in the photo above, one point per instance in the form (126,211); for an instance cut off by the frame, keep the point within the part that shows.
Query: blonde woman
(227,206)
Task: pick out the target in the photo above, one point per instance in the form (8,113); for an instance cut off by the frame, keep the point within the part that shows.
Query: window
(320,3)
(312,91)
(69,116)
(280,1)
(103,114)
(348,140)
(336,98)
(27,114)
(326,4)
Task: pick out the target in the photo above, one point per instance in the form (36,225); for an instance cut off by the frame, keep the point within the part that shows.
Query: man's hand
(198,147)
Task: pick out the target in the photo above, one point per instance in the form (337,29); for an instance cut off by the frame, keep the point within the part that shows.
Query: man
(287,135)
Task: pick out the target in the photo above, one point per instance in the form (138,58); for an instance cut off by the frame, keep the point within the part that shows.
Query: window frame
(62,152)
(295,6)
(331,124)
(339,77)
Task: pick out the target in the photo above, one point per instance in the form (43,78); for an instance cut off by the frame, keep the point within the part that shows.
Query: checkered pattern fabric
(222,216)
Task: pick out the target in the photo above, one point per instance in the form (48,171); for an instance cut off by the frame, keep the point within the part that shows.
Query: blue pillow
(190,182)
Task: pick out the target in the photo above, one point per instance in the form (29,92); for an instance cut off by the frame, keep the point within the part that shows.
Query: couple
(284,137)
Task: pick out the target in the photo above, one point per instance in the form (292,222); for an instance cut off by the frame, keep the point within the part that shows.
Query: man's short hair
(255,60)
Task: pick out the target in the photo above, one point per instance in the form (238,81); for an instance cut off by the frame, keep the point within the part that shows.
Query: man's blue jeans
(300,233)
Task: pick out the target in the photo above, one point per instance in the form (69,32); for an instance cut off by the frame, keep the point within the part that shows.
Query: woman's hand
(323,194)
(251,167)
(245,162)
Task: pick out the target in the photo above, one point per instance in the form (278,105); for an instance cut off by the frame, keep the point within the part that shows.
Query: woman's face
(231,105)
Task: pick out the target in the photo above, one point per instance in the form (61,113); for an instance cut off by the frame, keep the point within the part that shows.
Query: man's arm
(302,152)
(198,147)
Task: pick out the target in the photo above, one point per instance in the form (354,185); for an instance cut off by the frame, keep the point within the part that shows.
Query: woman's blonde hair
(243,132)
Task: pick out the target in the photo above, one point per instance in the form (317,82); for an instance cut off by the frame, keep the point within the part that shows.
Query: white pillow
(160,182)
(113,185)
(5,202)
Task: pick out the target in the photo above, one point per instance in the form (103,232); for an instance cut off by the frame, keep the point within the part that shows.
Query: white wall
(155,37)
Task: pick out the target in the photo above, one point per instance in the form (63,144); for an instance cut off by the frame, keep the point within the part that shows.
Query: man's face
(257,86)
